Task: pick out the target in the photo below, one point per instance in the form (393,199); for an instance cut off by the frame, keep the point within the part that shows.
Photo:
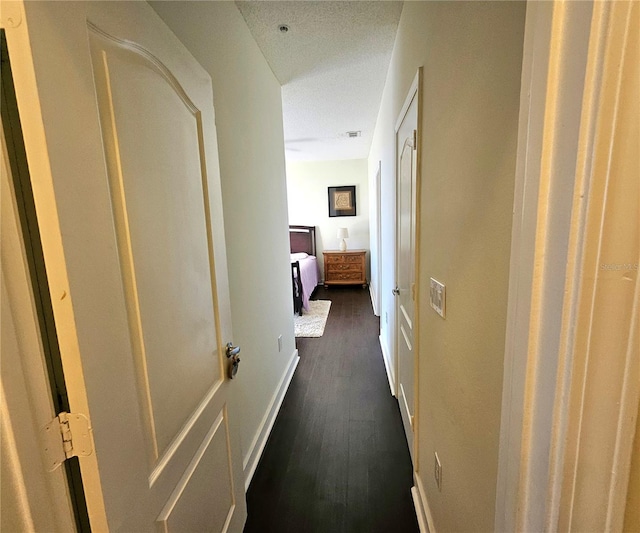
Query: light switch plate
(437,297)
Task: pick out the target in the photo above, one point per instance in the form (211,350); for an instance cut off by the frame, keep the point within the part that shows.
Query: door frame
(415,91)
(29,397)
(378,286)
(544,364)
(13,149)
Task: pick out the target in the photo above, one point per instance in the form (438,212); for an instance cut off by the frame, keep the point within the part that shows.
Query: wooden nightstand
(345,268)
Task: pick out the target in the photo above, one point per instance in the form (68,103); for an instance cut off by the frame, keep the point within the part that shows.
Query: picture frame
(342,201)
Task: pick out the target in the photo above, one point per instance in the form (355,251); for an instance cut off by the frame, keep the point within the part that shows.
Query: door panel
(207,465)
(130,204)
(158,189)
(405,263)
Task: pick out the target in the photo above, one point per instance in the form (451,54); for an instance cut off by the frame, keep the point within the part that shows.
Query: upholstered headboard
(302,239)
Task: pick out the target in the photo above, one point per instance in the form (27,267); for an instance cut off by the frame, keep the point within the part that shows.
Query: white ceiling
(332,64)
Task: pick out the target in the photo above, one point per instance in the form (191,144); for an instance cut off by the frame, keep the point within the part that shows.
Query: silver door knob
(395,291)
(232,350)
(232,353)
(233,368)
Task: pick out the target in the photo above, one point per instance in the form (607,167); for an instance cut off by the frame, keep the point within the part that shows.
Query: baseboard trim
(390,375)
(423,511)
(374,302)
(260,440)
(422,521)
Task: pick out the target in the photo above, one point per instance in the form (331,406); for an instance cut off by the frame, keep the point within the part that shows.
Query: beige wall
(248,110)
(471,53)
(307,183)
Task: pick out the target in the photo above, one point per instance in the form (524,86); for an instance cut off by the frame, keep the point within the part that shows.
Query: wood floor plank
(337,459)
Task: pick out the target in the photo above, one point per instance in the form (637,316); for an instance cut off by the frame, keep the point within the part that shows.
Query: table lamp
(343,233)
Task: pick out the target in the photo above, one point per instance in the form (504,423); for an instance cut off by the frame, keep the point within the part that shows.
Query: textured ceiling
(332,64)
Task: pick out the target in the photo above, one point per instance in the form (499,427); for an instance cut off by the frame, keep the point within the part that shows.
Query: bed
(304,265)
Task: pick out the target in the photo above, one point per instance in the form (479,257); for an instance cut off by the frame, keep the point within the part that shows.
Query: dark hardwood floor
(337,459)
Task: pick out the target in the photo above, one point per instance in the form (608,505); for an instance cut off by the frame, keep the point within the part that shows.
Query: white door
(406,195)
(119,129)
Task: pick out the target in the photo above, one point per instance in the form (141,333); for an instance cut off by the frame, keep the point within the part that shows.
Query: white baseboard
(423,512)
(374,302)
(260,440)
(387,365)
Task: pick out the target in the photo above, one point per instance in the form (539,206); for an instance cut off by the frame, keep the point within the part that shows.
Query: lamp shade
(343,233)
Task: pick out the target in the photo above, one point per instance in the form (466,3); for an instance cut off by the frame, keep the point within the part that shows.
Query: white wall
(247,100)
(307,186)
(471,53)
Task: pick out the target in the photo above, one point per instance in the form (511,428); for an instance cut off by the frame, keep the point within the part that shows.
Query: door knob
(232,353)
(395,291)
(232,350)
(233,369)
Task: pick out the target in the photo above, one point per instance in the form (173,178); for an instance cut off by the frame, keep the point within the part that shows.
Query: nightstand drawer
(344,258)
(356,277)
(341,267)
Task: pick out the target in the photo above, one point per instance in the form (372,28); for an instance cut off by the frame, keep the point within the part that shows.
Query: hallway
(337,458)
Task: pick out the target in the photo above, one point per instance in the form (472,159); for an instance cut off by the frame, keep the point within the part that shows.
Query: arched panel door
(120,136)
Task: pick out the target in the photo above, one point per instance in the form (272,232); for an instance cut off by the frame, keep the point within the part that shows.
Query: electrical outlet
(437,472)
(279,343)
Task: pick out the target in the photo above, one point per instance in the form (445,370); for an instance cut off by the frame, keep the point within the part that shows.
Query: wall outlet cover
(437,472)
(437,297)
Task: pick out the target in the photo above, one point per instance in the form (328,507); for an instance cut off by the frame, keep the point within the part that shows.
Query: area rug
(312,322)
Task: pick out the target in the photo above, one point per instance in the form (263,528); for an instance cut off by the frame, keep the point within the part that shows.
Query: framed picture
(342,201)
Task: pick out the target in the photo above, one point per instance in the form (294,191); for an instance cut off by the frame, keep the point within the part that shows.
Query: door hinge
(67,435)
(415,139)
